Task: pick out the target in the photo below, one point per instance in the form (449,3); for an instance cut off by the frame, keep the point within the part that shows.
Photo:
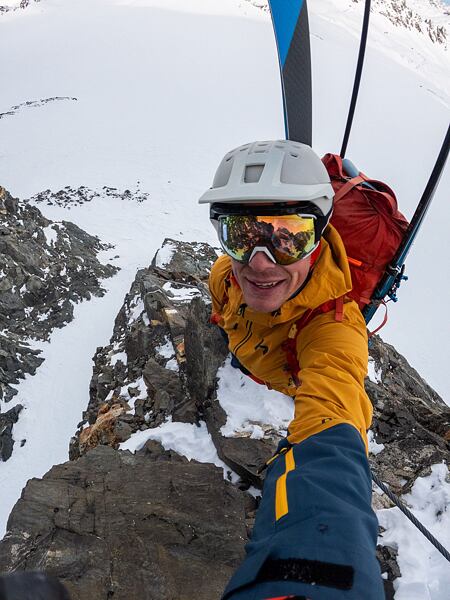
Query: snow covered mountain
(122,109)
(429,18)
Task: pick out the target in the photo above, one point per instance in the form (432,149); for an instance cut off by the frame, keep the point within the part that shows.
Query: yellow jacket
(332,355)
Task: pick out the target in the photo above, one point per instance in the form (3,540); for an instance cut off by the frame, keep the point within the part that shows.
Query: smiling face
(267,285)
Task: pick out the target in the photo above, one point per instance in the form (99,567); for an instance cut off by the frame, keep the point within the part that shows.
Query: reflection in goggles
(288,237)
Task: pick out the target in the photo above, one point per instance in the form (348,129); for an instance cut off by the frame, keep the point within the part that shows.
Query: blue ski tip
(285,16)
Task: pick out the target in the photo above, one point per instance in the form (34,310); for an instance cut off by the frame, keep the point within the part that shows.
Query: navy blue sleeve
(315,532)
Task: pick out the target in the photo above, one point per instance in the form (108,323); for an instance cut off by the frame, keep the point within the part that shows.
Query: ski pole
(357,81)
(394,272)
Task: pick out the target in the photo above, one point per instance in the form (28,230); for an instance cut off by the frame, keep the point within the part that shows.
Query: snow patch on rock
(252,409)
(164,255)
(192,441)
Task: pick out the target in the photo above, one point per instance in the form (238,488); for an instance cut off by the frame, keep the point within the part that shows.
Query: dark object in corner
(31,586)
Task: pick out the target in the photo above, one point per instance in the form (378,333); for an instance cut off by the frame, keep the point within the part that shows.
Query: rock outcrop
(162,361)
(410,419)
(152,524)
(142,376)
(149,526)
(70,196)
(45,268)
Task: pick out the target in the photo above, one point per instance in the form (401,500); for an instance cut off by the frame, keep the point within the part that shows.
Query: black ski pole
(394,272)
(359,68)
(425,200)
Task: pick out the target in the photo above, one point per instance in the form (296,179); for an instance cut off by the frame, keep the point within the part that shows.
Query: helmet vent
(253,173)
(294,155)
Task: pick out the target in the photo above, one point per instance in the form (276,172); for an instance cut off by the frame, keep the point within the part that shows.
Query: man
(279,293)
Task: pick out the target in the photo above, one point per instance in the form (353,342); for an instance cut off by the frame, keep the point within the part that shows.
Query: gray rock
(149,526)
(205,350)
(164,386)
(45,268)
(150,319)
(7,421)
(190,263)
(69,196)
(245,456)
(387,558)
(42,274)
(410,419)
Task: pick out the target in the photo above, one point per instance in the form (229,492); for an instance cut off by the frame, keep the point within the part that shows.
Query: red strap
(347,187)
(233,279)
(290,345)
(351,183)
(339,310)
(363,299)
(283,598)
(315,254)
(371,333)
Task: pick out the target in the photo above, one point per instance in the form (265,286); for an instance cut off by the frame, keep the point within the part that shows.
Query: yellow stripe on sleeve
(281,499)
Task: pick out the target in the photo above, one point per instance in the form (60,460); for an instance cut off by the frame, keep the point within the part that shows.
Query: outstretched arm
(315,532)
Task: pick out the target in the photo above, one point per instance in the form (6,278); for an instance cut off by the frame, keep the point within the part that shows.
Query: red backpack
(367,218)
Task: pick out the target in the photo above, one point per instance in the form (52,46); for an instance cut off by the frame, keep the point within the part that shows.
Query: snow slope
(148,95)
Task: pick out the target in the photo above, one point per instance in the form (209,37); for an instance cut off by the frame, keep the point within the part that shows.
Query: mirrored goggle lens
(288,237)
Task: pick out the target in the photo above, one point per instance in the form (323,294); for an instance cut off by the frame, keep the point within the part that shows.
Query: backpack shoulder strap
(351,183)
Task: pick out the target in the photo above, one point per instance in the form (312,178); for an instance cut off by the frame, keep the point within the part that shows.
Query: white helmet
(272,171)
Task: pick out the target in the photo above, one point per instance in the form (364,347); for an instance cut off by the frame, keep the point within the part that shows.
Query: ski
(290,23)
(291,27)
(394,275)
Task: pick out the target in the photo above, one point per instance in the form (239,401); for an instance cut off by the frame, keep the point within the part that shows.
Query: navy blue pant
(315,532)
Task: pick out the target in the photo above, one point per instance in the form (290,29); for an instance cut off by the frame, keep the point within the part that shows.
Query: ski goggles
(284,238)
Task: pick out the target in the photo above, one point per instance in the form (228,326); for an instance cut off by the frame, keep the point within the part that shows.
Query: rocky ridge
(20,4)
(424,17)
(69,196)
(162,362)
(45,267)
(34,104)
(404,14)
(116,525)
(401,13)
(144,521)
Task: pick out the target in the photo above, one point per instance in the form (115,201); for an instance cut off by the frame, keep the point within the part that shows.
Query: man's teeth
(265,285)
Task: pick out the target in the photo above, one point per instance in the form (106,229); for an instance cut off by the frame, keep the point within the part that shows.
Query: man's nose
(261,262)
